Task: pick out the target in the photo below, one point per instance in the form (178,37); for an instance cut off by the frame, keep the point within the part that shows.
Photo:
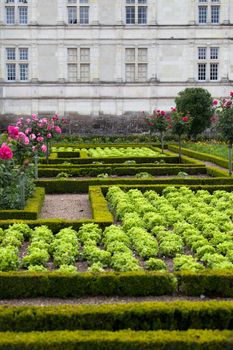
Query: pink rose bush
(224,122)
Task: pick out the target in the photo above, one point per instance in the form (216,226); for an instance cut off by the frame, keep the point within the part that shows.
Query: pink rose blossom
(40,139)
(49,136)
(28,130)
(33,148)
(13,131)
(5,152)
(34,117)
(231,93)
(32,136)
(43,148)
(57,129)
(215,102)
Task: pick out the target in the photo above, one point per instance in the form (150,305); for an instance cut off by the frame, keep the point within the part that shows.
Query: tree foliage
(198,103)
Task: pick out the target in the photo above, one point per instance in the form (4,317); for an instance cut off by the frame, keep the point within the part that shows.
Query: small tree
(179,124)
(158,122)
(198,103)
(224,110)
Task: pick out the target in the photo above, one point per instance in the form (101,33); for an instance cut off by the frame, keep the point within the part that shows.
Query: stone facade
(108,66)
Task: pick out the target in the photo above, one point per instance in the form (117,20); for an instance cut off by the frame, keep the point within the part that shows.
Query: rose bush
(158,122)
(224,112)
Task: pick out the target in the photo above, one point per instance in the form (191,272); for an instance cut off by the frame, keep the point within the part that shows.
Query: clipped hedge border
(145,316)
(75,285)
(103,145)
(210,283)
(82,185)
(99,205)
(100,213)
(87,160)
(121,171)
(122,340)
(31,210)
(119,165)
(202,156)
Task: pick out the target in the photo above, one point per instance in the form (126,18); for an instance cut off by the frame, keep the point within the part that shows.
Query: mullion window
(78,12)
(16,12)
(136,12)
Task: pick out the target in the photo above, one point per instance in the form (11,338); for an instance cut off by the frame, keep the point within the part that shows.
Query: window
(208,11)
(78,11)
(201,71)
(136,11)
(213,71)
(15,13)
(17,67)
(78,64)
(208,64)
(136,64)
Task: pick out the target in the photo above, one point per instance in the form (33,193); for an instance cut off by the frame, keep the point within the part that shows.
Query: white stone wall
(171,36)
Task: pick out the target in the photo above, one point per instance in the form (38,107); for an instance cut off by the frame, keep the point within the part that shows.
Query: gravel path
(66,206)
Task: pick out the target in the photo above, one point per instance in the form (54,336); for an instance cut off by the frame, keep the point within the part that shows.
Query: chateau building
(111,57)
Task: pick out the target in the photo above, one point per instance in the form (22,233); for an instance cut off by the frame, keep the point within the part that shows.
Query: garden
(119,245)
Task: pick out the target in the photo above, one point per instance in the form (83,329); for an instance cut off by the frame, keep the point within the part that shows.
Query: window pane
(215,14)
(72,55)
(84,15)
(11,72)
(84,55)
(214,53)
(10,54)
(130,14)
(201,71)
(142,55)
(23,54)
(84,72)
(23,15)
(213,71)
(130,72)
(23,71)
(72,72)
(130,55)
(142,72)
(202,14)
(10,15)
(72,15)
(202,53)
(142,15)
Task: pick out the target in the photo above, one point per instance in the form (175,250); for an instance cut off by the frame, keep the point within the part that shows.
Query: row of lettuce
(177,230)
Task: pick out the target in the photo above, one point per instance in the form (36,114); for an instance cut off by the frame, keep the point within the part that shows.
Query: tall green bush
(198,103)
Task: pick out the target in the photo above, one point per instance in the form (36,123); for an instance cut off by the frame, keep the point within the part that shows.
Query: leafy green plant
(182,174)
(9,260)
(63,175)
(143,175)
(103,175)
(156,265)
(96,267)
(37,268)
(67,269)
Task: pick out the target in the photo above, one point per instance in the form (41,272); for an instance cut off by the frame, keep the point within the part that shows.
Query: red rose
(185,119)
